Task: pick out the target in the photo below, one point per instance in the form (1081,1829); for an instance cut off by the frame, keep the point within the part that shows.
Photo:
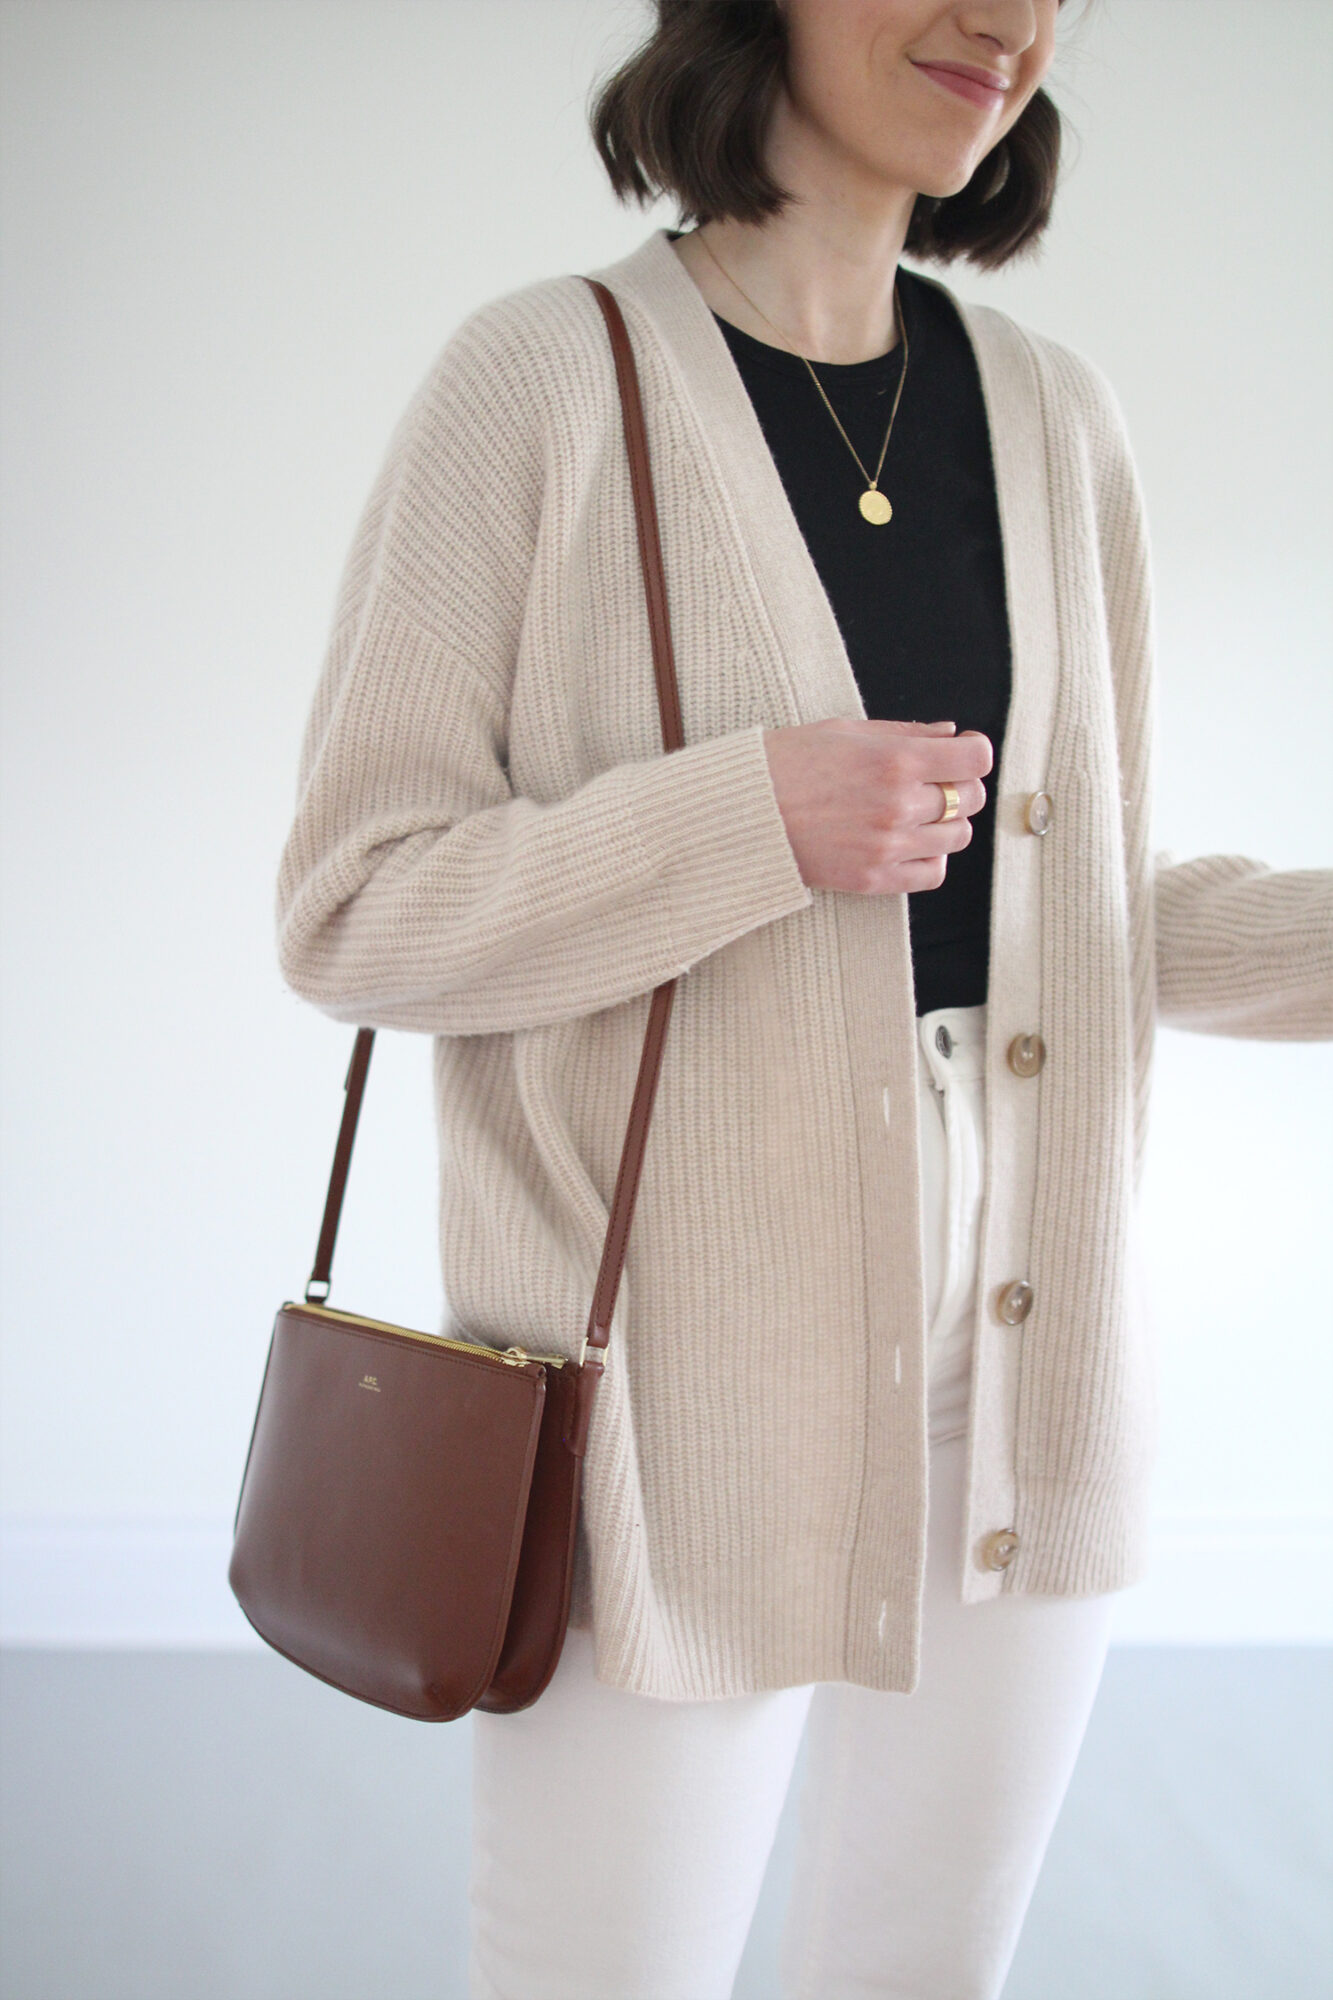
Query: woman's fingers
(971,798)
(925,843)
(861,799)
(924,871)
(950,757)
(960,761)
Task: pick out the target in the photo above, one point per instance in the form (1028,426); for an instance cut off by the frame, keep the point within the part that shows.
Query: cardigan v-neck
(919,600)
(489,847)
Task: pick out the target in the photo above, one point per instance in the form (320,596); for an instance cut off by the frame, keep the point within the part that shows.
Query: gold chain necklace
(873,504)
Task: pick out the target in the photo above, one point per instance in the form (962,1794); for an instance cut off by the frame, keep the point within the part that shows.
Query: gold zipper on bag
(512,1357)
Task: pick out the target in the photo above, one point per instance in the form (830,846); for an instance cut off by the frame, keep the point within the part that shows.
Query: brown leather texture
(408,1509)
(383,1509)
(539,1611)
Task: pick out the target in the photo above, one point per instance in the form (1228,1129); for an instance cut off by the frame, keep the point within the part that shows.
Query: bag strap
(659,1013)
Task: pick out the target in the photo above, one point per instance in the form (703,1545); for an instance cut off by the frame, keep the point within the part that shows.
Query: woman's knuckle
(896,805)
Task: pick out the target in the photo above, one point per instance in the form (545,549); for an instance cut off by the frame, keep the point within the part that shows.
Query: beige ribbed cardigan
(490,847)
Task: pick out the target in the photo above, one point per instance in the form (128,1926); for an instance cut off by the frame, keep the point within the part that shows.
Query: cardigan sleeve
(416,888)
(1243,949)
(1239,948)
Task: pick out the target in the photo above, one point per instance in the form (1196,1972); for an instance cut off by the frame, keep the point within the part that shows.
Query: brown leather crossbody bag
(407,1516)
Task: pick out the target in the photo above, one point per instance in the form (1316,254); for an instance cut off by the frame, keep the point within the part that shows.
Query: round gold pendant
(875,507)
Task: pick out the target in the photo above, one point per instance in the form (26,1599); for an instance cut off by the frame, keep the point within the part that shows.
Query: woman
(872,1449)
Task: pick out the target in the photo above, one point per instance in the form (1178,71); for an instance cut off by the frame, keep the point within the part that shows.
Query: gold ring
(950,802)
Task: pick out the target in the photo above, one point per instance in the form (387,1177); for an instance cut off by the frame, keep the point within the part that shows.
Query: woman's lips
(985,94)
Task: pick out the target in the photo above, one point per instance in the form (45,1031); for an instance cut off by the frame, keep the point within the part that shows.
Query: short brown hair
(687,113)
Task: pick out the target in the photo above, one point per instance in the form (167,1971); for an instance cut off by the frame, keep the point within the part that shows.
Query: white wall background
(236,232)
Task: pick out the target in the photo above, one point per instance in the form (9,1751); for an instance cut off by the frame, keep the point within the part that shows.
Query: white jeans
(620,1841)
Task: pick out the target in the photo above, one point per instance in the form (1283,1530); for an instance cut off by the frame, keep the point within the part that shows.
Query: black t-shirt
(920,601)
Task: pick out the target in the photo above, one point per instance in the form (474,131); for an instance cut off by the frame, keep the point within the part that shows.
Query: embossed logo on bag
(370,1382)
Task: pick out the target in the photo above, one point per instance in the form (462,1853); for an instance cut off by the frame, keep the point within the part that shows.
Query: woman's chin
(939,183)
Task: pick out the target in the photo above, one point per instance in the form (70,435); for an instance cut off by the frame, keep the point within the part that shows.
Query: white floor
(211,1826)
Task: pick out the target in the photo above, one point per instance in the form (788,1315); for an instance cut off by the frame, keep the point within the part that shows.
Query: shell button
(1037,812)
(1026,1054)
(997,1550)
(1014,1302)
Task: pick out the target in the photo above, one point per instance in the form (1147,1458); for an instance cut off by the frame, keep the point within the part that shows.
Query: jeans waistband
(952,1042)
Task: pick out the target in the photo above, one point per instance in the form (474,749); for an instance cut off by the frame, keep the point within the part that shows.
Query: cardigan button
(1014,1302)
(1037,812)
(1026,1054)
(997,1550)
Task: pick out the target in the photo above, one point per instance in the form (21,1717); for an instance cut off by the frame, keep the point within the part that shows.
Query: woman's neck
(826,292)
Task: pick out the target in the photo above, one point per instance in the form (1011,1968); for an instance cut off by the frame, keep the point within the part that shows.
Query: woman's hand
(861,799)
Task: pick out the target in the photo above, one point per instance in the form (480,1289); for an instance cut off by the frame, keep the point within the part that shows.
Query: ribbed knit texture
(490,847)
